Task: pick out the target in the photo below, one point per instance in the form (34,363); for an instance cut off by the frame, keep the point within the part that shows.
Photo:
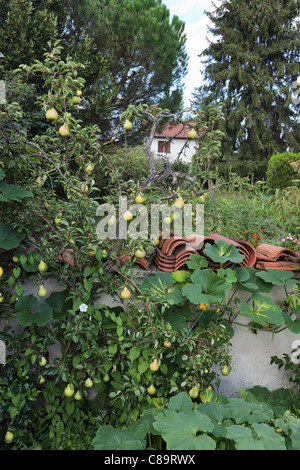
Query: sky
(192,12)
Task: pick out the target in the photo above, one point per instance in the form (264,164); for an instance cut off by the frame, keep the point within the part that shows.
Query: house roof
(179,131)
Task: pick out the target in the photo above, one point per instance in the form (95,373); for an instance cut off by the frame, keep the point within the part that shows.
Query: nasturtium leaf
(277,277)
(28,312)
(181,402)
(293,324)
(110,438)
(10,192)
(183,431)
(247,279)
(206,287)
(175,318)
(197,262)
(259,436)
(242,411)
(217,414)
(263,311)
(10,238)
(60,303)
(228,274)
(180,276)
(221,251)
(162,287)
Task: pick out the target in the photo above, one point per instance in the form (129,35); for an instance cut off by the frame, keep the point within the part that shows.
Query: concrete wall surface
(251,353)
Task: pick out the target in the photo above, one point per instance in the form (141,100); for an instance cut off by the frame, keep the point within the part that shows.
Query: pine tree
(250,68)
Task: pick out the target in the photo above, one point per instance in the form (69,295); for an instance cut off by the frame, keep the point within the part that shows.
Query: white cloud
(192,12)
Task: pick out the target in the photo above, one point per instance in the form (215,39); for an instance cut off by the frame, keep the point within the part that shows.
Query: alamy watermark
(2,92)
(295,356)
(295,92)
(139,220)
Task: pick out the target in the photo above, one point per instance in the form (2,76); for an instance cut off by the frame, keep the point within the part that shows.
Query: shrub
(280,173)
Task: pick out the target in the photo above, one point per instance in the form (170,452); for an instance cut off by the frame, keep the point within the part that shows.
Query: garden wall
(251,353)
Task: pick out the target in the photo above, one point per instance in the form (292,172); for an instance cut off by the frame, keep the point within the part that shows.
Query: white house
(173,141)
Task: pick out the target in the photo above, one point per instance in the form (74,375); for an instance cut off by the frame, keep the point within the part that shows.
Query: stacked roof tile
(173,253)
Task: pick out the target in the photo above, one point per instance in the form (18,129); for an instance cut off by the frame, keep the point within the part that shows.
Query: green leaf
(162,288)
(59,303)
(142,366)
(278,277)
(247,279)
(197,262)
(217,413)
(207,287)
(9,237)
(133,353)
(242,411)
(221,251)
(181,431)
(293,325)
(10,192)
(263,311)
(257,437)
(181,403)
(28,313)
(109,438)
(180,276)
(173,316)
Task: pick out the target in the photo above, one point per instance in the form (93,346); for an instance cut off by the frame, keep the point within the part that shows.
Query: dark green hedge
(280,173)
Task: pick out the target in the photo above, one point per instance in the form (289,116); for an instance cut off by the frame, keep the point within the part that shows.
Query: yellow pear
(89,168)
(52,115)
(127,215)
(192,134)
(84,188)
(179,203)
(42,267)
(69,390)
(140,253)
(127,124)
(41,291)
(154,365)
(151,389)
(64,131)
(125,294)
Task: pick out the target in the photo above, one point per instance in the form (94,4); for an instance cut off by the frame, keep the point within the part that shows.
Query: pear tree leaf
(109,438)
(183,431)
(206,287)
(221,251)
(263,310)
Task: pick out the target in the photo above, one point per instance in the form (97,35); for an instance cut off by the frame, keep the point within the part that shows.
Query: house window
(163,146)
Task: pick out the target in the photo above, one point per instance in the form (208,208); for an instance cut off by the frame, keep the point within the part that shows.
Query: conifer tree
(250,67)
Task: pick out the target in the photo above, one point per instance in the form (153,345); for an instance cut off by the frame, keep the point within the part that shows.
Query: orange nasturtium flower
(203,306)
